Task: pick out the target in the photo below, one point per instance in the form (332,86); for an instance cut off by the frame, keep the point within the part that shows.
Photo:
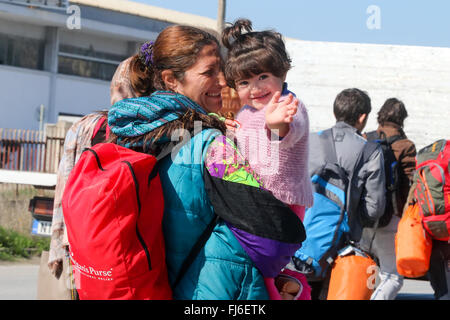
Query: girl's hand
(280,114)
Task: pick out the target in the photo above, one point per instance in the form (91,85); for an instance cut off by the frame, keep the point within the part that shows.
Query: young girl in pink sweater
(274,131)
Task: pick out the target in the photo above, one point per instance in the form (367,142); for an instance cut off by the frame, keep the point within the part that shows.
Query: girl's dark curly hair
(251,53)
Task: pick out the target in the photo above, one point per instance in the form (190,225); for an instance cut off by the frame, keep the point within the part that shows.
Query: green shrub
(16,245)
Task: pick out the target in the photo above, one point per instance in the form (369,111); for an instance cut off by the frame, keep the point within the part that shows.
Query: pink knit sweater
(281,164)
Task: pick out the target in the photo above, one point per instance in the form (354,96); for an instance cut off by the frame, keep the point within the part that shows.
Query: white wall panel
(22,91)
(419,76)
(81,95)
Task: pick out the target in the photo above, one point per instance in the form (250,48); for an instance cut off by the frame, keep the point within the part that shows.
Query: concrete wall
(81,95)
(419,76)
(22,91)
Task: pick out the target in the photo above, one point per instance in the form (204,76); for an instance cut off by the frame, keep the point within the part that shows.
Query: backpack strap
(98,125)
(372,135)
(195,250)
(101,131)
(327,141)
(368,150)
(392,139)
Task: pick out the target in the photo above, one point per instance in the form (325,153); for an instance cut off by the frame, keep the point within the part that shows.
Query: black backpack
(392,171)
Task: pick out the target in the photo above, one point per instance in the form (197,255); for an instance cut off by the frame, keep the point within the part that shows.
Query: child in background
(274,131)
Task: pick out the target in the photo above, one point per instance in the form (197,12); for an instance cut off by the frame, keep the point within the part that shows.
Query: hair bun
(231,33)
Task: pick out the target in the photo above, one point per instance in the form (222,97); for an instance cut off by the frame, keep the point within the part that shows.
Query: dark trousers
(439,271)
(319,289)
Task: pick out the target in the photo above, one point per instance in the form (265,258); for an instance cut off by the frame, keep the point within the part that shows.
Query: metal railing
(29,150)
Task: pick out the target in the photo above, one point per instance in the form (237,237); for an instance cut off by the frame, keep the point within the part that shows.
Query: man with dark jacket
(366,199)
(381,241)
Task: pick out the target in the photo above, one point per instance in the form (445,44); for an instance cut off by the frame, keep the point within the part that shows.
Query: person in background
(381,241)
(79,137)
(366,201)
(439,272)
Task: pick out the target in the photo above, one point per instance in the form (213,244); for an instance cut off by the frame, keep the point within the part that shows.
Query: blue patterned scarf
(138,116)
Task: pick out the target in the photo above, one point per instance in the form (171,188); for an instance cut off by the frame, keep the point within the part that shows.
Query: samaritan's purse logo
(103,274)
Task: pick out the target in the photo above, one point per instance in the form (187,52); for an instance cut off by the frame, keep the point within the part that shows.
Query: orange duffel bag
(412,244)
(352,276)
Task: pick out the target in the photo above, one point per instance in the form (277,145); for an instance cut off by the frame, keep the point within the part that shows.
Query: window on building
(41,3)
(22,52)
(87,62)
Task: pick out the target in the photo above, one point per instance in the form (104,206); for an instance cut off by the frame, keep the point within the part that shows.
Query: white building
(62,54)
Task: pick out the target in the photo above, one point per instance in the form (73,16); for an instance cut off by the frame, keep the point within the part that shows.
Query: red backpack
(432,188)
(113,208)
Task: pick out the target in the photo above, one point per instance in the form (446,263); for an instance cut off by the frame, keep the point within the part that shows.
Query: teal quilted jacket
(222,269)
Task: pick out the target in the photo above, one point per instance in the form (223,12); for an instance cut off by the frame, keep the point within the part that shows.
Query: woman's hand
(279,114)
(232,125)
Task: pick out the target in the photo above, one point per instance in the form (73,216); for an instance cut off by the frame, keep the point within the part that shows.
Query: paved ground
(18,281)
(416,290)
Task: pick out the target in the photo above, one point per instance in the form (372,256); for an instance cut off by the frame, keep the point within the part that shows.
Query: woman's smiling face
(203,81)
(258,90)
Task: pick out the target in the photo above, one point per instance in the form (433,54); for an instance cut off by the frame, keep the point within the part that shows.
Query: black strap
(373,136)
(100,135)
(389,140)
(196,249)
(392,139)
